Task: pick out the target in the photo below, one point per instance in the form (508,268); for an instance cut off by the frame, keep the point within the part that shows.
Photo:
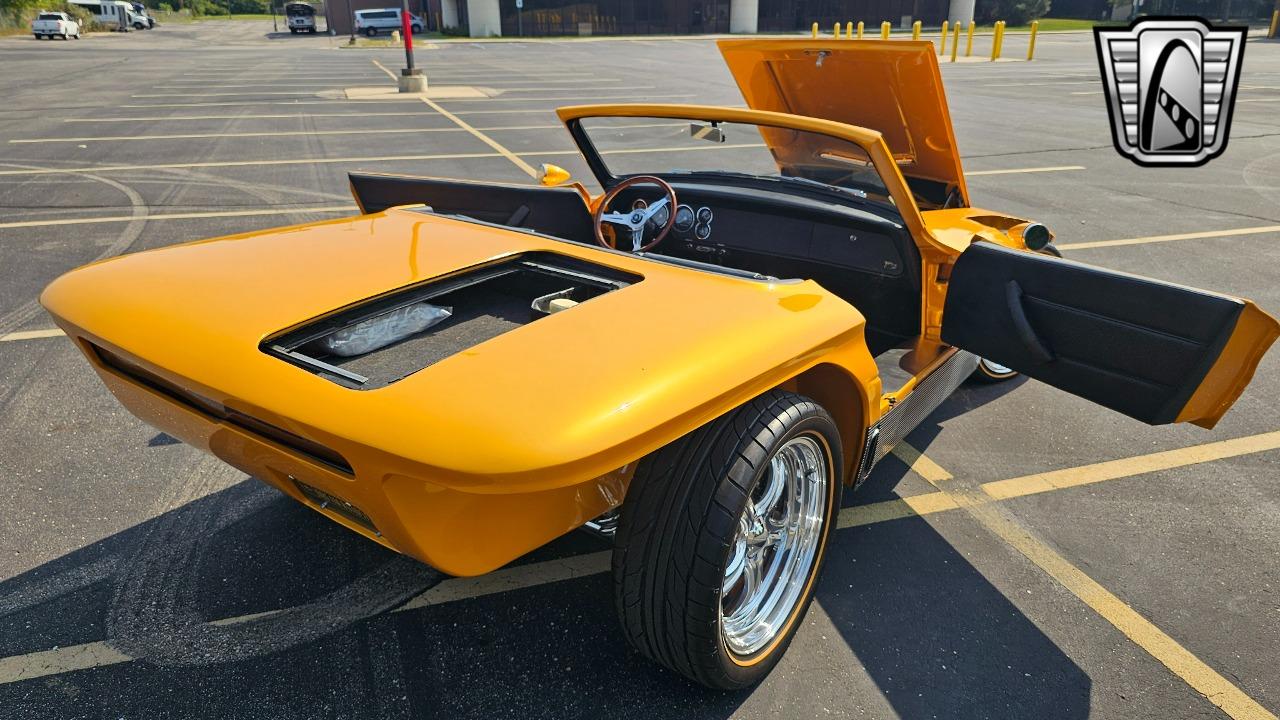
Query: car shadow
(181,593)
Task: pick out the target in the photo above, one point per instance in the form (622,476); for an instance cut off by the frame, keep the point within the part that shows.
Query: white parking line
(1169,238)
(291,133)
(1015,171)
(252,93)
(292,103)
(177,216)
(281,116)
(578,98)
(258,163)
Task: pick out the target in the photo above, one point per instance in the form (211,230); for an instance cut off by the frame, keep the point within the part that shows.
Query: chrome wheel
(777,541)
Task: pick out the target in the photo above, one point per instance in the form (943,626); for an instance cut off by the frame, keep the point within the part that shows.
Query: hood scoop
(483,302)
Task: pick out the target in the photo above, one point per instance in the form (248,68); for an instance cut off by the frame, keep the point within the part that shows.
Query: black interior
(485,302)
(1133,344)
(860,251)
(557,211)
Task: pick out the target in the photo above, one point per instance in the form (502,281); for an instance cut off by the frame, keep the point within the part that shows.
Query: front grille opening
(485,302)
(329,501)
(217,411)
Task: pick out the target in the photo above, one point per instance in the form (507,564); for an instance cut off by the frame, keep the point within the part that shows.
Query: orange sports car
(695,363)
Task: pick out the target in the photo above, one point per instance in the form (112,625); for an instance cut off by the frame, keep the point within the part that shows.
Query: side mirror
(552,175)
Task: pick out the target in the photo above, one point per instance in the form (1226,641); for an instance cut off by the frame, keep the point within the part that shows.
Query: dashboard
(776,233)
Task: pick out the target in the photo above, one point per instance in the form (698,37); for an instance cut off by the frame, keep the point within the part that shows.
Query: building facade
(540,18)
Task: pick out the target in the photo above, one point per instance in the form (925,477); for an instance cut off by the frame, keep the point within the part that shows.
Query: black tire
(371,32)
(293,31)
(416,28)
(986,374)
(677,529)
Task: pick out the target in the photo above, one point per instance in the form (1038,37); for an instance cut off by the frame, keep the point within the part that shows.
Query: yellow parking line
(180,216)
(59,660)
(31,335)
(976,501)
(919,464)
(1127,467)
(1014,171)
(1169,238)
(501,149)
(89,655)
(515,160)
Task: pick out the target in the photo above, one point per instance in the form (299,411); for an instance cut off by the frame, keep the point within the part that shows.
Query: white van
(112,13)
(372,22)
(301,17)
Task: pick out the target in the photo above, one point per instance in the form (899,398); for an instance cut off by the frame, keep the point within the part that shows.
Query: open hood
(894,88)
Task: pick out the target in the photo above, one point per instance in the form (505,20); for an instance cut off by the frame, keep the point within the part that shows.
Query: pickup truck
(49,24)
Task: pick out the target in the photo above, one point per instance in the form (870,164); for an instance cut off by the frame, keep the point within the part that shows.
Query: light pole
(411,79)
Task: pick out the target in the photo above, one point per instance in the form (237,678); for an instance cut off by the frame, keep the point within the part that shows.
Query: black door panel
(556,211)
(1133,344)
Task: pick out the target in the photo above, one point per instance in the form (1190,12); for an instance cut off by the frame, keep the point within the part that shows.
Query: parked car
(695,363)
(141,20)
(55,24)
(372,22)
(300,17)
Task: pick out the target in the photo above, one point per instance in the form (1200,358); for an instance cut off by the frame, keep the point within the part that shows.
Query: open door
(1155,351)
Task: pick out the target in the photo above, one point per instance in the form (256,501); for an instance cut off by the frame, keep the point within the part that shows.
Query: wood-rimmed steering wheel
(636,219)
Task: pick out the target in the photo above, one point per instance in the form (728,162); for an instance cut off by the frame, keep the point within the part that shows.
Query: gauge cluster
(696,223)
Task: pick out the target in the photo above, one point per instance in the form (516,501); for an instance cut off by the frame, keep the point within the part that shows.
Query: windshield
(665,146)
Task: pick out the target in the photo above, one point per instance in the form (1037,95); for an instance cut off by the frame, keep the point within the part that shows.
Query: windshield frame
(869,141)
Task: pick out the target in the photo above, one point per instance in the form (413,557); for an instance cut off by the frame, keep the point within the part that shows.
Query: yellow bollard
(815,30)
(1275,20)
(859,29)
(1031,49)
(1002,26)
(884,30)
(915,30)
(968,47)
(848,31)
(995,40)
(943,49)
(835,31)
(955,43)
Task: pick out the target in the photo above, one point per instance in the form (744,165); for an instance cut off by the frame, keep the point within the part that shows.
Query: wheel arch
(846,397)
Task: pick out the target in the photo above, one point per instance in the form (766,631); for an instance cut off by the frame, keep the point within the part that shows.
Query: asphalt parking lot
(1115,570)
